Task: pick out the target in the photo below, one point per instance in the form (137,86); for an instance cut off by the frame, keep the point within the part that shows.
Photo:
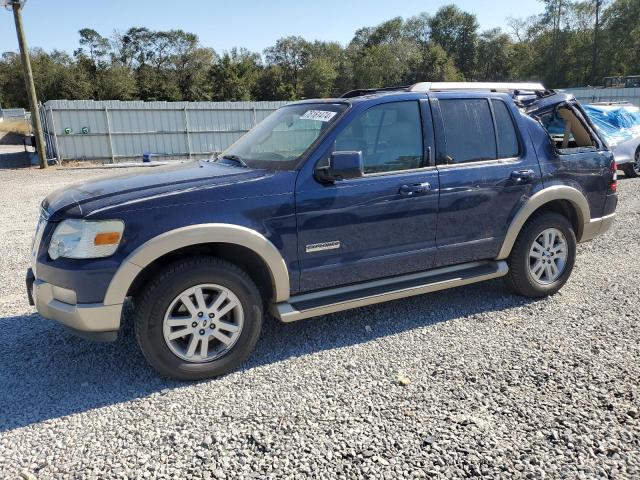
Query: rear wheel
(633,169)
(200,318)
(543,256)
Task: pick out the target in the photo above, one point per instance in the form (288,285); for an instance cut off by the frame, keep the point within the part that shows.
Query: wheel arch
(563,199)
(243,245)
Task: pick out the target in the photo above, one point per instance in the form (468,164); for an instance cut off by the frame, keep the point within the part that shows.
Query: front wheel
(200,318)
(542,257)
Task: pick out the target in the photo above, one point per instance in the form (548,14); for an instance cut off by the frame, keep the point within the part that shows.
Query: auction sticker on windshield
(321,115)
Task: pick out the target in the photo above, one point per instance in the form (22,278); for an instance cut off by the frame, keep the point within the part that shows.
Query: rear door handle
(415,189)
(523,176)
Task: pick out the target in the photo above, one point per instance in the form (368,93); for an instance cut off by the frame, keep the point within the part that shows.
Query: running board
(376,291)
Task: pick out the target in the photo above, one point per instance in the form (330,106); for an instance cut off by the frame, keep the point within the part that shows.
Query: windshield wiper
(234,158)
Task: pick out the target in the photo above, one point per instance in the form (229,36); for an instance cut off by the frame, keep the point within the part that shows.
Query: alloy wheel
(548,256)
(203,323)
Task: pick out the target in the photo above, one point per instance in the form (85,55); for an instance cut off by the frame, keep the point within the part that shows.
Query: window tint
(507,139)
(469,131)
(389,137)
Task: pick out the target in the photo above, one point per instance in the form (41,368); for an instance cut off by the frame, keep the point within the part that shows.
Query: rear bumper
(597,226)
(91,320)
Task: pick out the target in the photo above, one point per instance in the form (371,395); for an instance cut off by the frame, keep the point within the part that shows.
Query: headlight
(86,239)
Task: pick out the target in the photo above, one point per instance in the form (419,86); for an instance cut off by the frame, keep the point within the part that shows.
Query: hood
(81,198)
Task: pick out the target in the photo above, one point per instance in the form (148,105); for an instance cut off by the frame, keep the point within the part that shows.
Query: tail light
(613,187)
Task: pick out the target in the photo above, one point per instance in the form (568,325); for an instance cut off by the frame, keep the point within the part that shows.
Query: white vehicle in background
(619,124)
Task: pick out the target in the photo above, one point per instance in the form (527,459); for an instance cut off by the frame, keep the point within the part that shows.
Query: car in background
(619,125)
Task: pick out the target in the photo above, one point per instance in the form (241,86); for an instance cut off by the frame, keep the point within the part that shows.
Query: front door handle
(523,176)
(415,189)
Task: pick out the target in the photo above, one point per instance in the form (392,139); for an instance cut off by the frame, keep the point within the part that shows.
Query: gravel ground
(496,386)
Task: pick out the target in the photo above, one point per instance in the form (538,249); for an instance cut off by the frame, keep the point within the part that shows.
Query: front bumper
(95,321)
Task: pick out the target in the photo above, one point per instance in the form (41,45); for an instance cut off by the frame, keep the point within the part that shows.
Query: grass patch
(15,126)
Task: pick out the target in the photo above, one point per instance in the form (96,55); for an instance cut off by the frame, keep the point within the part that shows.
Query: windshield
(284,136)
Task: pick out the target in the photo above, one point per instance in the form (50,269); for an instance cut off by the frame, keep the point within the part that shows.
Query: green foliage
(457,33)
(563,46)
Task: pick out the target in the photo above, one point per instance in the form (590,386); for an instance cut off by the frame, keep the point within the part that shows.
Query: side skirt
(368,293)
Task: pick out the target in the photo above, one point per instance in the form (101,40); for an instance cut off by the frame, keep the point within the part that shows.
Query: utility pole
(594,52)
(28,78)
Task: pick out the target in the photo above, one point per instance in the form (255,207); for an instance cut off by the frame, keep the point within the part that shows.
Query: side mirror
(342,166)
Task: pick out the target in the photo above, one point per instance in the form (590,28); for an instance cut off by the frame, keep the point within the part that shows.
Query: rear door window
(469,130)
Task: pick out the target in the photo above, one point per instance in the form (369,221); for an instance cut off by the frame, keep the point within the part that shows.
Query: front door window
(388,135)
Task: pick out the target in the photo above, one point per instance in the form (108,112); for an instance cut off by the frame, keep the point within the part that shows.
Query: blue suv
(327,205)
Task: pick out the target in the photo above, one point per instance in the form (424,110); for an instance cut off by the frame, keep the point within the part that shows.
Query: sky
(221,25)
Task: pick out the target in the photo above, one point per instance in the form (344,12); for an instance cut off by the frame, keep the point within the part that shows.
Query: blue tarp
(615,123)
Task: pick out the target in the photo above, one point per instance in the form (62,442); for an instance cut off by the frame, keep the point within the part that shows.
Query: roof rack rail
(359,92)
(492,86)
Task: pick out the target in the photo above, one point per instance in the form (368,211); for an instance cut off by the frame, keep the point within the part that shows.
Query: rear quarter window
(567,131)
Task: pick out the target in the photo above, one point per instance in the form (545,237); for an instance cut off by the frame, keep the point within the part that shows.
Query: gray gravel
(464,383)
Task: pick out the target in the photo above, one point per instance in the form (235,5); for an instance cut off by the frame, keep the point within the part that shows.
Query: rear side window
(469,131)
(507,138)
(568,132)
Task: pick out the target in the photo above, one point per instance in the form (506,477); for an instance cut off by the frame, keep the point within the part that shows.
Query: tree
(495,48)
(383,56)
(437,66)
(456,32)
(320,70)
(289,54)
(234,75)
(271,85)
(621,38)
(318,77)
(135,47)
(554,14)
(94,44)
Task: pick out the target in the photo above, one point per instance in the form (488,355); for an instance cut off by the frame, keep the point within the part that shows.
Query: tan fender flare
(549,194)
(173,240)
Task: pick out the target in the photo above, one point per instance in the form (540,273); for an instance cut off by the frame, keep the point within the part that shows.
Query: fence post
(55,136)
(106,114)
(255,117)
(186,129)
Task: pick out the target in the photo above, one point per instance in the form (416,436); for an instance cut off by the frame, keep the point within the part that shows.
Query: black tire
(629,171)
(153,302)
(519,279)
